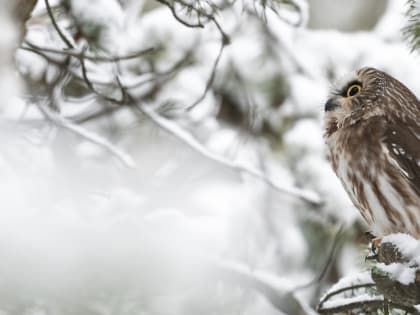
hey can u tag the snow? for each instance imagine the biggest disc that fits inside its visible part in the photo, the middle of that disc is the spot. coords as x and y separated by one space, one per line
307 135
332 299
362 298
9 84
106 16
308 96
408 246
110 11
399 272
78 225
345 282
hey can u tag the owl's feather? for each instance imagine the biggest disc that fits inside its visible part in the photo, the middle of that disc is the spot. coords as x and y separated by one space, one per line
404 148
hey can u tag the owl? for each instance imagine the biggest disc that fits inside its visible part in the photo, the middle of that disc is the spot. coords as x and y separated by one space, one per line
372 133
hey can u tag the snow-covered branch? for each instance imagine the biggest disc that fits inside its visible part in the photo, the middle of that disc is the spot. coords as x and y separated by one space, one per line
181 134
87 135
269 285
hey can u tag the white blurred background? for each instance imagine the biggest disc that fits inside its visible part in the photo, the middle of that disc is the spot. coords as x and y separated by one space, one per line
105 209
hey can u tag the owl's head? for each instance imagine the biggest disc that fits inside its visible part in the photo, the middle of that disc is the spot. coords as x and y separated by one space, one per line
355 97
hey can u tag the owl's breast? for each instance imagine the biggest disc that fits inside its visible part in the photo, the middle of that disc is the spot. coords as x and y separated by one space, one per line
376 189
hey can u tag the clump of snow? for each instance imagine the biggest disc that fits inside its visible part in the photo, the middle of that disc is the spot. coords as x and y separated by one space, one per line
399 272
345 282
350 300
407 245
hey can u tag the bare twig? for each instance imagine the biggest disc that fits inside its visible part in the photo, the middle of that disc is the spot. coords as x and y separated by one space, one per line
327 263
210 79
187 138
295 6
88 135
78 54
57 28
90 86
165 73
154 76
200 13
177 17
96 114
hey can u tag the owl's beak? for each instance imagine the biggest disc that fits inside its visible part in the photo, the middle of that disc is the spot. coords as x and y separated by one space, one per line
330 105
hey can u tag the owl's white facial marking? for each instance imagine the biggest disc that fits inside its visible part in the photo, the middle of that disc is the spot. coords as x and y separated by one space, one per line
351 99
341 83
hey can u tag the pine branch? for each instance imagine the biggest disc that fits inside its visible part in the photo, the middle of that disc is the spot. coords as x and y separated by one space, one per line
411 31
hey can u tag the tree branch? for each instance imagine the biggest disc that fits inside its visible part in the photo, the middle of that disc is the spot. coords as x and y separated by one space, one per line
78 54
88 135
57 28
173 129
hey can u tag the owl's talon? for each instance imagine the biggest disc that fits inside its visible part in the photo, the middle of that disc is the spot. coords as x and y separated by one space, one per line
375 244
372 256
370 236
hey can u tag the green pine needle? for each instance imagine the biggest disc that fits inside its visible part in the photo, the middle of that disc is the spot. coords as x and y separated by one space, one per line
411 31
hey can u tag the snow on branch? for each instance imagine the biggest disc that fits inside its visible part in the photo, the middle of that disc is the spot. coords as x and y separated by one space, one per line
88 135
392 283
105 87
271 286
175 130
79 54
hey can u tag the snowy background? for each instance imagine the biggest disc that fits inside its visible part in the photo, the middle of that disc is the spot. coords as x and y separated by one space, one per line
212 195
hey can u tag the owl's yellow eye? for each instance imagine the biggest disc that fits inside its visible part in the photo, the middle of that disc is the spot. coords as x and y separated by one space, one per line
353 89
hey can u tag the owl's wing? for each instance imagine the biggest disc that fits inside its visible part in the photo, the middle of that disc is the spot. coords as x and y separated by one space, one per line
403 143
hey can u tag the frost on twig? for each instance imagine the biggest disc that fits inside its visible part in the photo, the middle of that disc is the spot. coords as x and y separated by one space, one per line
88 135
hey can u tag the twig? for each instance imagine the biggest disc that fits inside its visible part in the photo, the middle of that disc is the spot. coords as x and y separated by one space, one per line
210 79
342 290
225 37
89 84
372 304
78 55
57 28
88 135
327 264
173 69
296 7
187 138
176 16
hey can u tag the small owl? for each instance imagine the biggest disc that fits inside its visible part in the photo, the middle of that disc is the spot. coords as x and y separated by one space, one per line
372 131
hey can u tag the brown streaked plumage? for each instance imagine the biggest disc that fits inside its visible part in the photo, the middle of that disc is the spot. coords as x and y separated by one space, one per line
372 130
